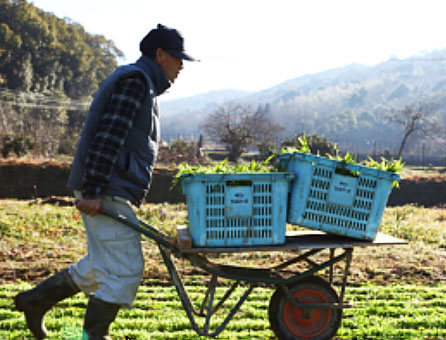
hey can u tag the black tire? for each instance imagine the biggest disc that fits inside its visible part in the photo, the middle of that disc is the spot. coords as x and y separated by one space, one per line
292 323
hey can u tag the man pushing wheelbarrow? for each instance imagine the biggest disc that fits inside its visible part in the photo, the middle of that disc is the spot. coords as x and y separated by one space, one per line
112 170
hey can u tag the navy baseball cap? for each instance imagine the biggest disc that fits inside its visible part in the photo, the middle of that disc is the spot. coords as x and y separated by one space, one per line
169 39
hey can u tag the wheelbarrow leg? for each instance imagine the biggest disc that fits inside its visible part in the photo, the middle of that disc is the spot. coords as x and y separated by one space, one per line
212 287
348 261
182 293
185 300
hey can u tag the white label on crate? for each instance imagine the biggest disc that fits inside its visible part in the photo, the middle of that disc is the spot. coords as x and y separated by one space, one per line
342 190
238 201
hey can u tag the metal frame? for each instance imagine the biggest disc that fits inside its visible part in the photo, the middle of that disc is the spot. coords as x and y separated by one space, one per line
279 276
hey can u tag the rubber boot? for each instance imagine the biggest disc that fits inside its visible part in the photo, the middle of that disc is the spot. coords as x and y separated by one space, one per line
37 301
99 316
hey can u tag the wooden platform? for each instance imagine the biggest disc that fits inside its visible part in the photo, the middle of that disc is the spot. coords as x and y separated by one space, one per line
305 240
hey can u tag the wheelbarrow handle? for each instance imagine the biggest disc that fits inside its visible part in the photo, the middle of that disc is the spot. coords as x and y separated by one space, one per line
144 228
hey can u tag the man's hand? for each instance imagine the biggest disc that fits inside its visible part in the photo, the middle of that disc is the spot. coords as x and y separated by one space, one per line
89 206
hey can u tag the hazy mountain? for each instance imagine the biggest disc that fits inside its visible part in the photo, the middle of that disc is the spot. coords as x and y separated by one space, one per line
346 104
200 102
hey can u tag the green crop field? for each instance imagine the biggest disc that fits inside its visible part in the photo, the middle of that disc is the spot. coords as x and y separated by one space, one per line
393 312
397 292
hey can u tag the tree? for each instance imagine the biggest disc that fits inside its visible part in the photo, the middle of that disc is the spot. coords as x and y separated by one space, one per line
49 68
238 126
42 53
414 120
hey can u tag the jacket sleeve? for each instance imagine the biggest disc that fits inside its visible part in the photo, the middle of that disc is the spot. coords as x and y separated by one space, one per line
112 131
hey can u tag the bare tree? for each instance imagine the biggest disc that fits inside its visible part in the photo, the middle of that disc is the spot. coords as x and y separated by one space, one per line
238 126
4 121
415 120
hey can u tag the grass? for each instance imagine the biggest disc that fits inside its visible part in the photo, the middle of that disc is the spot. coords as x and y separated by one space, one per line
423 171
398 292
39 239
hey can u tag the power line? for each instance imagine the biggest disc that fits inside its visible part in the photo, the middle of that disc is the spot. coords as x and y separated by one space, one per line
46 106
39 100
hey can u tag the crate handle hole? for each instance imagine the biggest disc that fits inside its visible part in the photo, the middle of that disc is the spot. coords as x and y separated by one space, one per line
239 183
345 172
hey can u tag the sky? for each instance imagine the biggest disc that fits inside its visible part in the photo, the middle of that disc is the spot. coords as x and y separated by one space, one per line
256 44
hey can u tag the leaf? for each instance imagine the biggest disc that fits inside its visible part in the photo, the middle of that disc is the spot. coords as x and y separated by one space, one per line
185 169
304 147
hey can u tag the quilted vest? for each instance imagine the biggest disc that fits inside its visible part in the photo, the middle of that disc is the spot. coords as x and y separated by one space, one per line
132 173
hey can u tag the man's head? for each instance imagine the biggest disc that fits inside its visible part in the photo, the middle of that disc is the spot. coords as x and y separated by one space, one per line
165 46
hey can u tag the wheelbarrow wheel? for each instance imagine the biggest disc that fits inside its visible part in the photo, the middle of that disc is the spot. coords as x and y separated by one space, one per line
290 323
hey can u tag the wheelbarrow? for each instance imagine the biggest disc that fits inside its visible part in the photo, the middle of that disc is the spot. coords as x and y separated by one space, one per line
302 306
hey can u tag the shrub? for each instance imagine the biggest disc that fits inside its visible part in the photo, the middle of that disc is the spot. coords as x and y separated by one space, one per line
20 145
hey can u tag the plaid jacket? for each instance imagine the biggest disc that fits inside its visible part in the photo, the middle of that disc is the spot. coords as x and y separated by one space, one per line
125 102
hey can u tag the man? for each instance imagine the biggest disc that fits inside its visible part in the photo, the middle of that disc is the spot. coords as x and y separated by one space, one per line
112 170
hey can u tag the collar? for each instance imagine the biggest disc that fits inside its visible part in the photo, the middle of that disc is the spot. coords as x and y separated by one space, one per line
155 72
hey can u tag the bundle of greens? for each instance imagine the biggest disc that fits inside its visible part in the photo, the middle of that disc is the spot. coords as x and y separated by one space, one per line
185 169
392 165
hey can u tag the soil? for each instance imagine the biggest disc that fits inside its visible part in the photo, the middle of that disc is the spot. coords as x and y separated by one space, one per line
30 180
386 265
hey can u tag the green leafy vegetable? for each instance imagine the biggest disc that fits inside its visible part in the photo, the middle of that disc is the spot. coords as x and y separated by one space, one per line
347 159
391 165
394 165
185 169
304 147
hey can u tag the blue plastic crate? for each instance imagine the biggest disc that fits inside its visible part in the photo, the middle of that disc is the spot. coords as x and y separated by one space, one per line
237 209
324 197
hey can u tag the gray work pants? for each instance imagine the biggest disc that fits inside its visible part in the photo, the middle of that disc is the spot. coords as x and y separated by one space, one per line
113 267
